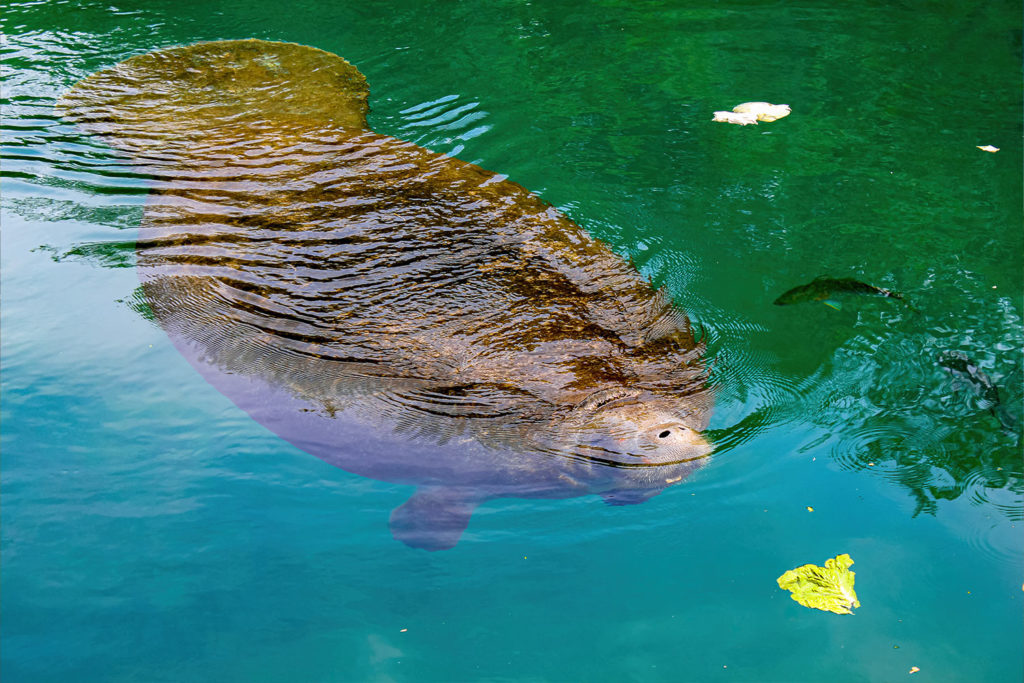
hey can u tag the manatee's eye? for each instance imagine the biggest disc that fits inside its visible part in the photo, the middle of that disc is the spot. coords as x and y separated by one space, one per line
664 434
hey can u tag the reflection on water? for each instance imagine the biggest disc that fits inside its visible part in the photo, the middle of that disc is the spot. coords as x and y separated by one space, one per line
449 122
916 425
887 402
391 290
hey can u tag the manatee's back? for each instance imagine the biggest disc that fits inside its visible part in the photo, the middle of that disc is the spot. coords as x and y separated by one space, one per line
223 129
157 104
285 239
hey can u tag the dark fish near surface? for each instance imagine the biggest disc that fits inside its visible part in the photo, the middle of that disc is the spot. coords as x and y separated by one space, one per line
398 313
828 289
963 367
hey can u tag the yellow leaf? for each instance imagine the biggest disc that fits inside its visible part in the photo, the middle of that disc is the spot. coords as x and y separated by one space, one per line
828 588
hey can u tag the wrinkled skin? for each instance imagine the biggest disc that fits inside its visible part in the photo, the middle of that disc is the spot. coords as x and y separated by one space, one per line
398 313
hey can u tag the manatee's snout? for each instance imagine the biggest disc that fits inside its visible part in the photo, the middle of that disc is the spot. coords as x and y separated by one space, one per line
673 441
658 440
666 443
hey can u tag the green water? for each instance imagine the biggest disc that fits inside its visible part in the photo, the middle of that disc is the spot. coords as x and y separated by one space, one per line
152 531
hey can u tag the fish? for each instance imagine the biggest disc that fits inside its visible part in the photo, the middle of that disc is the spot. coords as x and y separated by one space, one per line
401 314
962 367
827 290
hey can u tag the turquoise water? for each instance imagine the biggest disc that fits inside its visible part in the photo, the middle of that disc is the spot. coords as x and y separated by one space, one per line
152 531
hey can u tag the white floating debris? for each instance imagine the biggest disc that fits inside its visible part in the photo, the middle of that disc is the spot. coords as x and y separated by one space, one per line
752 112
733 117
764 111
987 148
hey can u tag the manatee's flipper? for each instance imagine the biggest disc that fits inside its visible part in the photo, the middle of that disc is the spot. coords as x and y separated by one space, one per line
160 103
433 518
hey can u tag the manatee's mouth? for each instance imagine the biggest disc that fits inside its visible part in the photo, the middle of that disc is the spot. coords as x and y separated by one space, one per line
689 462
669 471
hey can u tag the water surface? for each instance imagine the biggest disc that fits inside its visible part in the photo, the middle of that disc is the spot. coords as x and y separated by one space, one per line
152 531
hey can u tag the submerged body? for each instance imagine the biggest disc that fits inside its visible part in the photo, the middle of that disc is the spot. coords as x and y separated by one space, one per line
401 314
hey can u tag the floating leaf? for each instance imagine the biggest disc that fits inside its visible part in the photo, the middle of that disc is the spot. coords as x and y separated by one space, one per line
828 588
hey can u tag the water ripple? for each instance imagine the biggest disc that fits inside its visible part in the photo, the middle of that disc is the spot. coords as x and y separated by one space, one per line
444 124
889 407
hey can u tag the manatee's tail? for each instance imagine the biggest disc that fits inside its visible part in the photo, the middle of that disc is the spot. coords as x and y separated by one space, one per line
159 102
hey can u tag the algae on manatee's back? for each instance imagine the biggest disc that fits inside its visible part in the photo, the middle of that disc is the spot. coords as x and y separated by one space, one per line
399 313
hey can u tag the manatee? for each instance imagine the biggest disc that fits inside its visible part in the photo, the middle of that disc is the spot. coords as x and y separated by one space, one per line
401 314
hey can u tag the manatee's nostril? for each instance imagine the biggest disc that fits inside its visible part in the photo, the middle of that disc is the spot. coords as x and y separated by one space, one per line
664 434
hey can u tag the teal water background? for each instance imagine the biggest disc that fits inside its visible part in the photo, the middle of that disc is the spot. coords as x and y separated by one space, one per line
151 531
